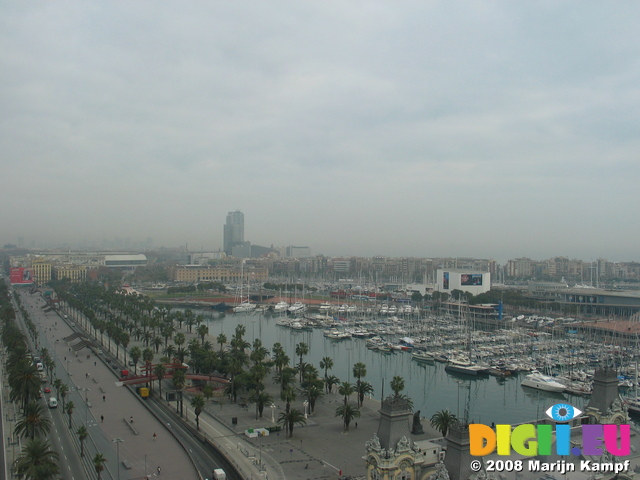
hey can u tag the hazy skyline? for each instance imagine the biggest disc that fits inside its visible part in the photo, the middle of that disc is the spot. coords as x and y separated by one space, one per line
427 129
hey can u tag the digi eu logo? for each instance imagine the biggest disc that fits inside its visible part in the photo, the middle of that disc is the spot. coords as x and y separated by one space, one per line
532 440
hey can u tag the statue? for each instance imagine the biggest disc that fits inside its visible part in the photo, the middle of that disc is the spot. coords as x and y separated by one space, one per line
416 428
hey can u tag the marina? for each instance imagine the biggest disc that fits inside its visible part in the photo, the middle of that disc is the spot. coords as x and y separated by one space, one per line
430 353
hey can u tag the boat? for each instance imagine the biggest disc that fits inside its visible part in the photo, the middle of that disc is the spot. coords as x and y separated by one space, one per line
464 366
540 381
297 307
245 306
422 357
281 306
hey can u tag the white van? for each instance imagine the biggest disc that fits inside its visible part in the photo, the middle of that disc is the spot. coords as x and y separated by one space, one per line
219 474
53 402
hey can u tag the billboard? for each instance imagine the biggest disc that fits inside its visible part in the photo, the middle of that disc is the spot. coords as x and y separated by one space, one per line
20 276
467 279
445 281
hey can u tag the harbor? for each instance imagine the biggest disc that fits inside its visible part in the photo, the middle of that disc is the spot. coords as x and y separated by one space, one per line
422 349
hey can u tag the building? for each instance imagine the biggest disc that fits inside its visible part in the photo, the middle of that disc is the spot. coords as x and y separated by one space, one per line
223 274
392 454
473 282
233 231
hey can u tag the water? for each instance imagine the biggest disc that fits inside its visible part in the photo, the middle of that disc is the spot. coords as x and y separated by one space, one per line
484 399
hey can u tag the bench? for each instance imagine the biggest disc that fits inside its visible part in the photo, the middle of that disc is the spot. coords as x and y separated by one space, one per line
126 464
133 429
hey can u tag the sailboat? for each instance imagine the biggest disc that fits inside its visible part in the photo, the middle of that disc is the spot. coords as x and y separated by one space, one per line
244 305
463 364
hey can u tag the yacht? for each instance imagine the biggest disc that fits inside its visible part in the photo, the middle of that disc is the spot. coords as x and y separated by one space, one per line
281 306
464 366
297 307
244 307
542 382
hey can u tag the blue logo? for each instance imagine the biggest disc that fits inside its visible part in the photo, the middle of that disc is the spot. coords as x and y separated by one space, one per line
563 412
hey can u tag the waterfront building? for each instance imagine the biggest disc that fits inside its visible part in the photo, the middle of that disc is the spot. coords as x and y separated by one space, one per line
223 273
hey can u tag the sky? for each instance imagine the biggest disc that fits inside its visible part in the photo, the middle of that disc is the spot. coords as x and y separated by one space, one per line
488 129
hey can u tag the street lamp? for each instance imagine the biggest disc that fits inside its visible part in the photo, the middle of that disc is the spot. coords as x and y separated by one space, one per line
117 441
305 404
273 418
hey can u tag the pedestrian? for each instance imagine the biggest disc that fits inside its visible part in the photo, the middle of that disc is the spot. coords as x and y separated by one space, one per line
154 435
102 418
86 375
131 419
104 398
95 364
158 469
356 424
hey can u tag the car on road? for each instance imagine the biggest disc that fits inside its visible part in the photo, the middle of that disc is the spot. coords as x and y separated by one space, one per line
47 390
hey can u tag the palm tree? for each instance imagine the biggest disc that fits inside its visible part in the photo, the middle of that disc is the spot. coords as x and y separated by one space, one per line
221 339
98 463
443 421
330 381
261 398
291 418
301 350
348 413
327 364
359 371
135 353
82 433
37 461
202 330
64 389
34 422
345 389
69 411
160 371
397 385
363 389
198 402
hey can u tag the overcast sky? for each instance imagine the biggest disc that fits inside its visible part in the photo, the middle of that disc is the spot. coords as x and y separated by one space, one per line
435 128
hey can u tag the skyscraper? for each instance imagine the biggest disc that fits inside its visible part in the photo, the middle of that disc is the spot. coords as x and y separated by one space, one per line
233 231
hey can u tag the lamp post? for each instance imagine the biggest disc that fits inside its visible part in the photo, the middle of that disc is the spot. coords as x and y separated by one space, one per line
273 407
117 441
305 404
86 402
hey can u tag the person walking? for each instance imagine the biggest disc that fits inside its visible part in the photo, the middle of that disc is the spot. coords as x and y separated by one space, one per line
158 469
131 419
154 436
104 398
102 418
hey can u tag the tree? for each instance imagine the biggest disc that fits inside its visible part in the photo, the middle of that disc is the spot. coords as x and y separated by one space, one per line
348 413
289 419
160 371
261 399
331 381
221 339
82 433
37 461
397 385
135 353
69 411
301 350
34 422
363 389
443 421
202 330
345 389
326 364
98 463
359 371
198 403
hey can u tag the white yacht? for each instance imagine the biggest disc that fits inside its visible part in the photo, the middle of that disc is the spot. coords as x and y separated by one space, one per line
542 382
281 306
246 306
297 307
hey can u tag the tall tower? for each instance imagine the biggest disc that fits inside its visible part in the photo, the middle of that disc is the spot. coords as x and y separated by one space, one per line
233 231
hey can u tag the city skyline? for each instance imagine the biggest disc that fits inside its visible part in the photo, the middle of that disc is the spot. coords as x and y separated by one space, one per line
404 130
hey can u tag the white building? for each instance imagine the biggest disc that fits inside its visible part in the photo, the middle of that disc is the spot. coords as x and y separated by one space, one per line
469 281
